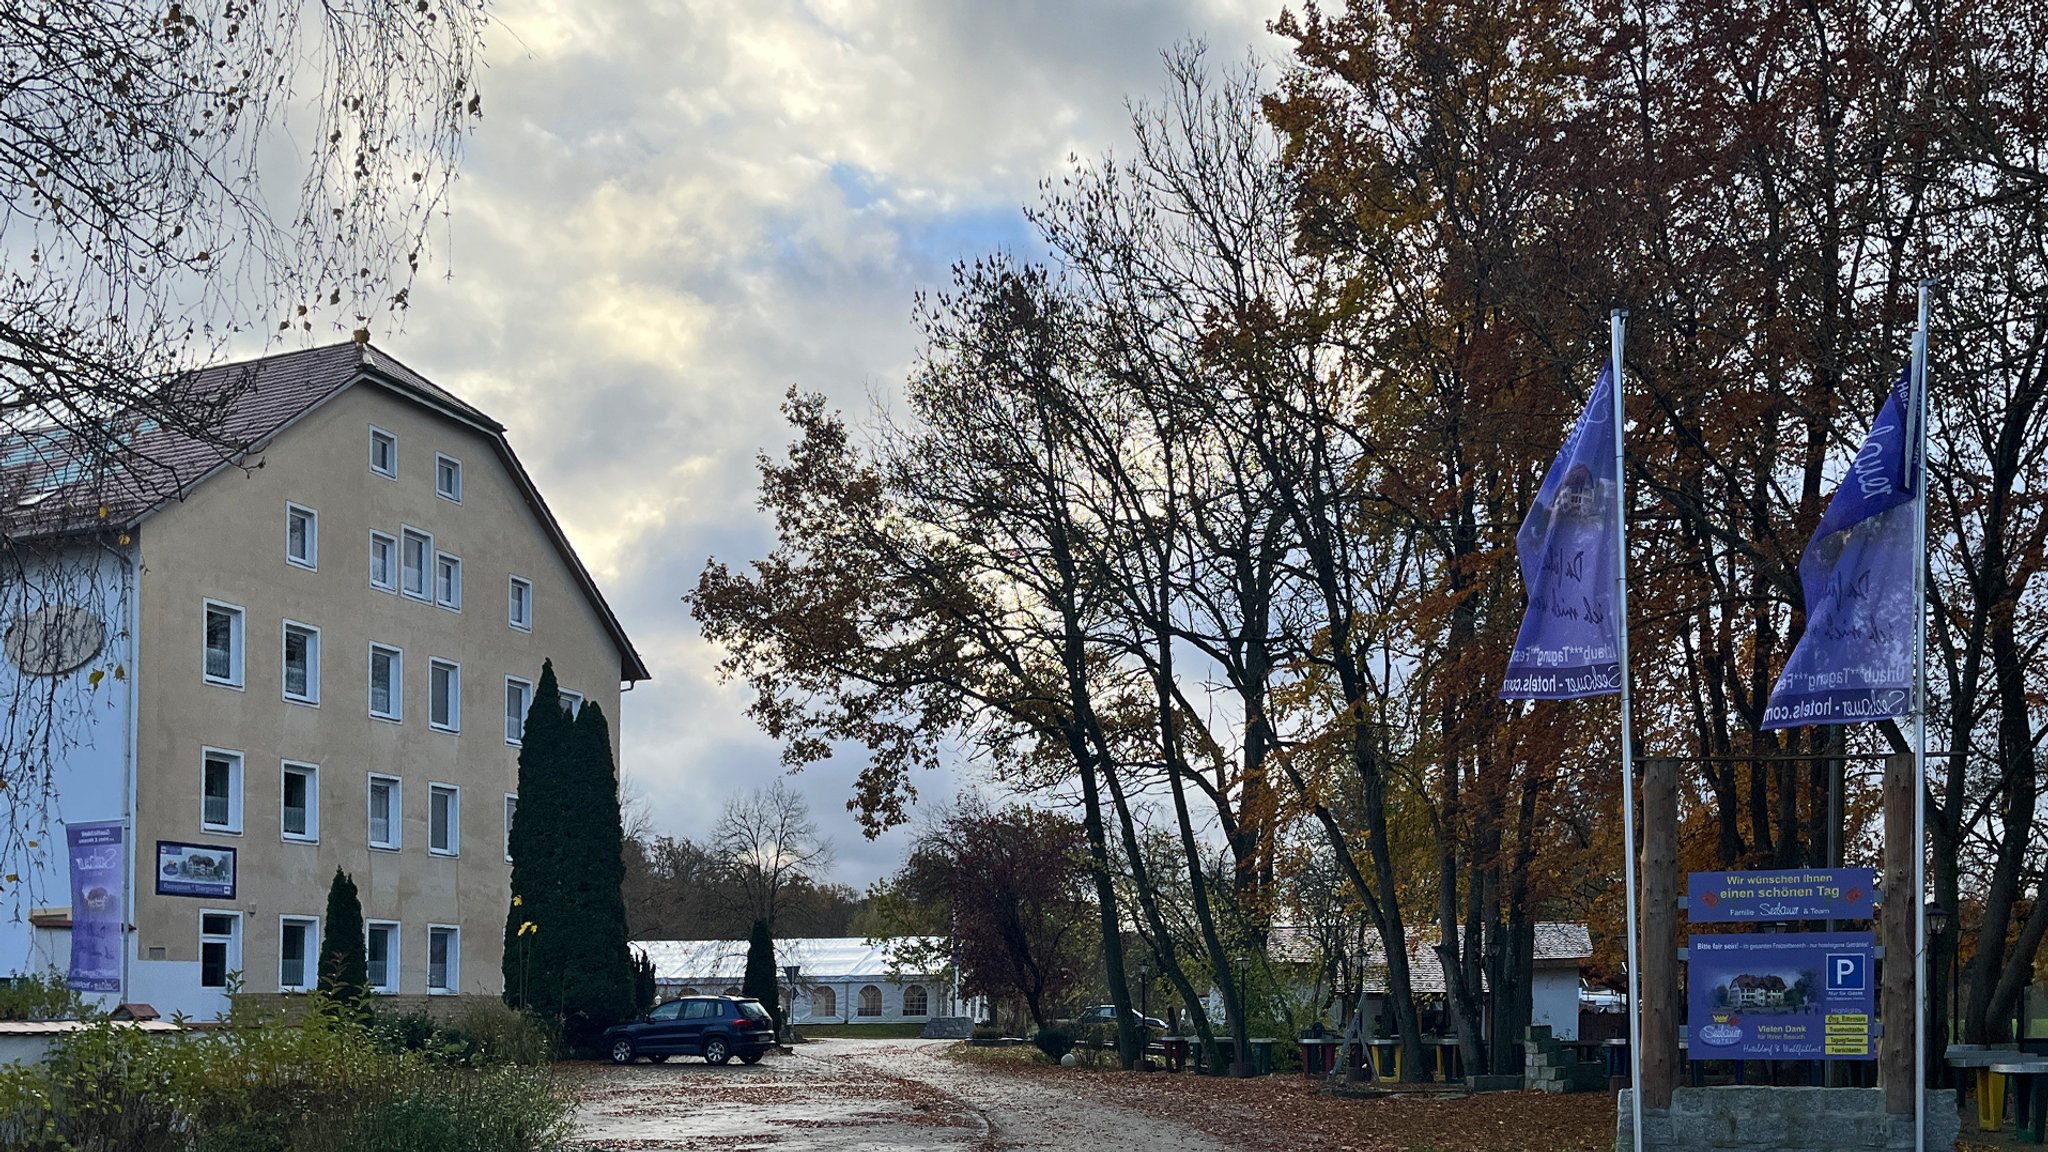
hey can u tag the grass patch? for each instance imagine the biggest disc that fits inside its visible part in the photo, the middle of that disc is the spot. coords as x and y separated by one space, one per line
893 1030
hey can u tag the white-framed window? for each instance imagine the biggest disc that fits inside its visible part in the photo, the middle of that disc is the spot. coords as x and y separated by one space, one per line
220 790
223 644
298 802
444 695
448 581
444 820
380 947
447 477
444 959
298 942
869 1002
415 558
383 561
301 663
301 536
383 452
824 1001
571 701
387 682
915 1001
511 810
519 603
220 947
386 812
518 698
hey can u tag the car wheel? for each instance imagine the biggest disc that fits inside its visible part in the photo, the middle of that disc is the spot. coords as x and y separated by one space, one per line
622 1051
751 1058
716 1051
663 1059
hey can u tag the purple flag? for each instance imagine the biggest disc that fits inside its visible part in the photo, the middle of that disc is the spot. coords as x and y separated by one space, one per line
1570 642
1854 662
98 905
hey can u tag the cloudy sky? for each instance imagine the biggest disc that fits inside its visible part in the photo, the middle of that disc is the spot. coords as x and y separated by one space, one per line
675 210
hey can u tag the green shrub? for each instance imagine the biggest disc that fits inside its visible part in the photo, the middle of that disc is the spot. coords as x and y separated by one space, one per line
482 1034
1054 1043
262 1084
987 1032
40 997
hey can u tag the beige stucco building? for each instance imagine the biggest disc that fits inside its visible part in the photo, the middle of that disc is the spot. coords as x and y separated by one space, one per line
327 649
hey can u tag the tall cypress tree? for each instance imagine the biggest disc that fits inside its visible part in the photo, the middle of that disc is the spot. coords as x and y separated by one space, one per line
344 960
597 989
760 980
533 928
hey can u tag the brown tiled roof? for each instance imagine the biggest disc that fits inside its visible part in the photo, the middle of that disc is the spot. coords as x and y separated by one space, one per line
50 490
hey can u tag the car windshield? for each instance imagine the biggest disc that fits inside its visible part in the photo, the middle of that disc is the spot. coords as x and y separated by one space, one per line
752 1010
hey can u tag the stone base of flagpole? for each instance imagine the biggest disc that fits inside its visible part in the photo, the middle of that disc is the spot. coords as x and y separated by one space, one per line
1756 1118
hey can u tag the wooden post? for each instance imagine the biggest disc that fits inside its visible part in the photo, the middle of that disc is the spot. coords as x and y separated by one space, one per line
1895 936
1659 946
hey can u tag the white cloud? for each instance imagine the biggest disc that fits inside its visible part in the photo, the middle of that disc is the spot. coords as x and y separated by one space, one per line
674 211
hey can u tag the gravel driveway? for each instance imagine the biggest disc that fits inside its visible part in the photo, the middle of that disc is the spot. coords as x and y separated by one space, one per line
848 1095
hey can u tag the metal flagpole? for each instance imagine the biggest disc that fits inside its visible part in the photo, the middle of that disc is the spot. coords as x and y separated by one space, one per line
1916 447
1617 326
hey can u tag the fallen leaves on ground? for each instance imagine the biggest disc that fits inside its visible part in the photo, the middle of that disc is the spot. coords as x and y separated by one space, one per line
1284 1112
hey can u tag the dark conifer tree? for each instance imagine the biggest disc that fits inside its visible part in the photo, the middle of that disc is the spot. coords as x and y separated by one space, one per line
344 962
760 979
644 990
531 964
597 965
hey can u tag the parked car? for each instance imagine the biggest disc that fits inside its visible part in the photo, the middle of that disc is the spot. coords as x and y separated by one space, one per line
1105 1016
717 1028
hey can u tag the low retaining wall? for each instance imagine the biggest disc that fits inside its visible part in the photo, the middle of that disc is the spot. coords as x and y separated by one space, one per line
1757 1118
949 1028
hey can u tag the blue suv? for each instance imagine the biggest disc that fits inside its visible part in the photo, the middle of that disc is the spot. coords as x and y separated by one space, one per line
717 1028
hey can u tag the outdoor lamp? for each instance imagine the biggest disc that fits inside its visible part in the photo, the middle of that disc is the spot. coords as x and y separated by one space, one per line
1937 917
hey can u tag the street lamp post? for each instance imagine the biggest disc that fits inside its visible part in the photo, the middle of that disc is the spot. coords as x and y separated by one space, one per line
789 1005
1145 989
1937 929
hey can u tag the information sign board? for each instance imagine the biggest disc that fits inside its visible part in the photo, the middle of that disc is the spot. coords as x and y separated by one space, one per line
1800 894
1785 996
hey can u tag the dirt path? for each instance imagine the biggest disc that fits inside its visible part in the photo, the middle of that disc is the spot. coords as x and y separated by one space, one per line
857 1096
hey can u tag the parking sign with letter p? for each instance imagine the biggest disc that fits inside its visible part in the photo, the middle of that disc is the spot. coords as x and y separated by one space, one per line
1847 971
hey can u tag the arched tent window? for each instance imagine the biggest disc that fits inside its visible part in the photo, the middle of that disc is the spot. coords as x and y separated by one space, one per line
732 992
824 1002
914 1001
688 991
870 1001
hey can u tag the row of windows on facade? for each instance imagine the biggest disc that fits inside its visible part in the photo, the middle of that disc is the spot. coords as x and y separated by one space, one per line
384 462
407 564
300 661
867 1002
298 806
298 942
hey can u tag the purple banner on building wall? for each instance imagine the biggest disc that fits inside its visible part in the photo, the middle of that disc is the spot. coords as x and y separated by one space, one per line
1798 894
99 905
1570 641
1784 996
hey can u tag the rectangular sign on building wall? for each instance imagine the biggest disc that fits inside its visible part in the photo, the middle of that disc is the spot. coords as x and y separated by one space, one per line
99 905
1798 894
195 870
1785 996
